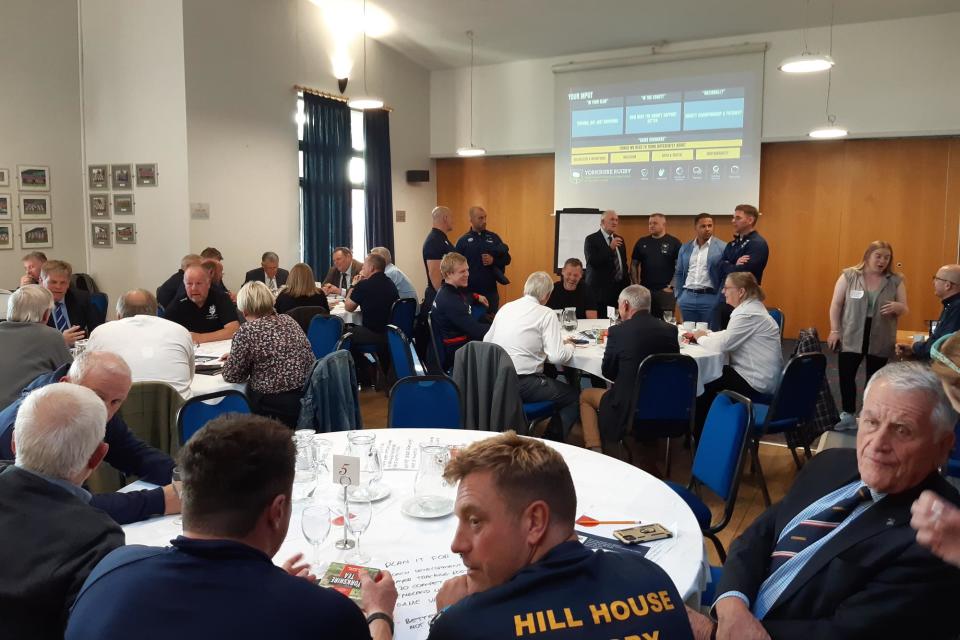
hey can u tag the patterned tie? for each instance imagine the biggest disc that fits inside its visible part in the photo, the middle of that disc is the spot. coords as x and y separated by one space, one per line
809 531
60 318
271 284
619 272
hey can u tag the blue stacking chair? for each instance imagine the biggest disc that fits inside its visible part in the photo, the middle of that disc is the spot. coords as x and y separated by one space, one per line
400 355
665 398
534 411
303 315
200 410
426 402
718 462
324 334
100 301
793 404
777 314
403 315
435 351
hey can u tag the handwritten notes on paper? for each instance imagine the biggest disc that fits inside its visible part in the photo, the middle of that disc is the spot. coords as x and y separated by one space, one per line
402 455
418 580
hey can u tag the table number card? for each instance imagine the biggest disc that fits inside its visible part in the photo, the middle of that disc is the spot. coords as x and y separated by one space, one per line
346 470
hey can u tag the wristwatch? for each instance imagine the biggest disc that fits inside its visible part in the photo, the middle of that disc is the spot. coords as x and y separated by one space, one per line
380 615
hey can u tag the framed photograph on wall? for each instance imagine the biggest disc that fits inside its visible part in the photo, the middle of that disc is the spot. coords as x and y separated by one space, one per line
146 175
99 205
120 176
122 204
33 177
6 206
36 235
35 206
100 233
4 177
97 177
126 233
6 236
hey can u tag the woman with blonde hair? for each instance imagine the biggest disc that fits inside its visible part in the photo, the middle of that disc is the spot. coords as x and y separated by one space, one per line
867 301
300 291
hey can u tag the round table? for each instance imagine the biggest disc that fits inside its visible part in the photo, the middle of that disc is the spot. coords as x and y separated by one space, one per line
589 357
607 489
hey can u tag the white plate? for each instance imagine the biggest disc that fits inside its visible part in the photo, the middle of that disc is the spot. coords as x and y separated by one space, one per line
378 491
412 508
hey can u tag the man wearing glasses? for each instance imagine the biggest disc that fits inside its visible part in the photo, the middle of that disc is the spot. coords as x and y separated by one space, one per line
946 286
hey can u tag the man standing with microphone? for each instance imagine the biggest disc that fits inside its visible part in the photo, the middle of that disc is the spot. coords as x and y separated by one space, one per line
607 267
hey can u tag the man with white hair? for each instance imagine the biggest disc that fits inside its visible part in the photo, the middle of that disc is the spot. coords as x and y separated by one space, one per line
107 375
836 558
156 349
399 278
530 334
52 537
28 345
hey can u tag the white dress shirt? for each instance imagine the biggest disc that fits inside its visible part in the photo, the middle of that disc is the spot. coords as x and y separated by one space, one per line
698 272
157 350
752 342
530 333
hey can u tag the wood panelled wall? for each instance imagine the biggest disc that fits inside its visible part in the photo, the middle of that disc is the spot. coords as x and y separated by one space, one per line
821 204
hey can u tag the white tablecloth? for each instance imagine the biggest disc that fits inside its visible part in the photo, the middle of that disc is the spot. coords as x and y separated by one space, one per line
203 383
606 489
339 310
589 357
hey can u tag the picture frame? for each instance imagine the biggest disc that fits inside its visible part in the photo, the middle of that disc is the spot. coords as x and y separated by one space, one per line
101 235
6 207
147 175
120 176
126 232
4 177
123 204
36 235
6 235
33 177
35 206
100 206
98 177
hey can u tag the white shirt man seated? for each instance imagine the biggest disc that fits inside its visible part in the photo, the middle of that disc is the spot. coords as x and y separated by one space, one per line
156 349
530 334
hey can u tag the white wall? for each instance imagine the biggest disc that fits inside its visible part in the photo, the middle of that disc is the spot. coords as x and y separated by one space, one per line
892 78
40 119
134 112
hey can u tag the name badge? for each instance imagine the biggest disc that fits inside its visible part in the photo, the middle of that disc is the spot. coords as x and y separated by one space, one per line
856 294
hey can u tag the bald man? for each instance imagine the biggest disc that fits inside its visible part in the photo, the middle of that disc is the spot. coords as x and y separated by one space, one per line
435 247
946 286
206 312
487 256
608 271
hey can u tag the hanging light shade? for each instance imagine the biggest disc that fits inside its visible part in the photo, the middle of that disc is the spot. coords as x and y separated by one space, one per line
472 150
829 131
806 62
365 101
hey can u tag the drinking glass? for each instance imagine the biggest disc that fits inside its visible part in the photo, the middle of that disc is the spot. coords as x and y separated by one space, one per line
176 481
668 316
305 473
361 510
321 454
434 495
363 445
569 319
315 524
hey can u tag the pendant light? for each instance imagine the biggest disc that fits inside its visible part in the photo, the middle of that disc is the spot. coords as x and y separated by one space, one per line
808 62
472 150
365 101
831 130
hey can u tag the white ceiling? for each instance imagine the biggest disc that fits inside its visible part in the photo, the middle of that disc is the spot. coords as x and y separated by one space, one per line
433 32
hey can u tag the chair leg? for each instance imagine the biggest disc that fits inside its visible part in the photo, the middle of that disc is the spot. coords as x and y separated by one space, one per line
796 458
806 451
759 471
622 443
718 545
667 462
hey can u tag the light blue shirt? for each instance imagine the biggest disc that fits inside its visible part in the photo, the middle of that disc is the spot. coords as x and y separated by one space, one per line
399 278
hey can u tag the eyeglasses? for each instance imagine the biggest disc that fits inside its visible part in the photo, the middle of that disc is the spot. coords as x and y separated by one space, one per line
935 353
936 277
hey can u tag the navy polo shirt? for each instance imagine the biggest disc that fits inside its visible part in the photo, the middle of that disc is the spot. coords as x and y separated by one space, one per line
214 314
434 248
207 589
472 245
375 295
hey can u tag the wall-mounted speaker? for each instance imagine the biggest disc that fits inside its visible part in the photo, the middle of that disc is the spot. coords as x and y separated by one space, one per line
418 175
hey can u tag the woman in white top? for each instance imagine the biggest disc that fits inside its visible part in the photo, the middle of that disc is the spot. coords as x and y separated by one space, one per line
751 342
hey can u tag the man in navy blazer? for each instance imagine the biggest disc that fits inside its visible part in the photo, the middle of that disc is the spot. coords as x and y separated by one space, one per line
697 280
748 251
73 314
608 272
268 272
837 558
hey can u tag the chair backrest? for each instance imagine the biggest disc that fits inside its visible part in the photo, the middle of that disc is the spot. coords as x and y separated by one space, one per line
100 301
303 315
436 350
400 357
324 333
199 410
796 395
150 410
722 448
425 401
403 314
777 314
666 393
491 394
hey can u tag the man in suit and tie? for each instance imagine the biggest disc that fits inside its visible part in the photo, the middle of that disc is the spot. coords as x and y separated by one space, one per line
340 276
628 343
836 558
608 271
697 280
73 314
269 272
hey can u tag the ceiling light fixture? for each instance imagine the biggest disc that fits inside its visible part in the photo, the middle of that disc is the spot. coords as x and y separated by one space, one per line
831 130
472 150
366 101
808 62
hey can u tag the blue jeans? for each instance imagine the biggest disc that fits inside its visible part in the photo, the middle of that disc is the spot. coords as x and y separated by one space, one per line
697 307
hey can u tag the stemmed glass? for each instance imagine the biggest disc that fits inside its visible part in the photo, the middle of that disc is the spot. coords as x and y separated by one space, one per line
176 481
315 524
668 316
361 509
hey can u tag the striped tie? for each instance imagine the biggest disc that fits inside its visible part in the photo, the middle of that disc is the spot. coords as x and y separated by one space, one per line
817 526
60 318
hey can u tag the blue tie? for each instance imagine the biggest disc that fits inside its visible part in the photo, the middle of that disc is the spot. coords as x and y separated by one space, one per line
60 317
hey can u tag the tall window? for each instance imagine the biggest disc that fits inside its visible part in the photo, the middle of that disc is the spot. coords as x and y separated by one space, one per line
357 173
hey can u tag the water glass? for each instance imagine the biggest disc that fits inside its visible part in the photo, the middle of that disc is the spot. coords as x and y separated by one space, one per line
315 524
569 319
304 473
361 510
176 481
668 317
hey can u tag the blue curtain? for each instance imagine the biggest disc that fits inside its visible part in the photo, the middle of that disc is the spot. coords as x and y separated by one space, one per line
326 185
379 180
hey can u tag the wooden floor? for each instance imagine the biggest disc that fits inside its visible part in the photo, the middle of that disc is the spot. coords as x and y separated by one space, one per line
778 468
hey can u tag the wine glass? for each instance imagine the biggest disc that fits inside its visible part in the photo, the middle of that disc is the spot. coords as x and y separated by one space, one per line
361 509
315 524
176 481
668 316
